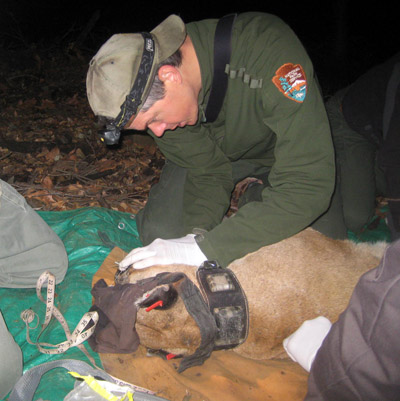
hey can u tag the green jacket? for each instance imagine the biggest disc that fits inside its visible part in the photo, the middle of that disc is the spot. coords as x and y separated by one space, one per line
260 123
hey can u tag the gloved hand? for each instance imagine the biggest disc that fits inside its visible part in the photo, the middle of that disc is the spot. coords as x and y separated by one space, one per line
304 343
164 252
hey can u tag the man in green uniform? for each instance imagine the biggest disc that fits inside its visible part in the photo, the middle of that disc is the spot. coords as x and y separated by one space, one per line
272 126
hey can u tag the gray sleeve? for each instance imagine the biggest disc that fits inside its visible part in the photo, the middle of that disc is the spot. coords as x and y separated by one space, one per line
359 359
28 246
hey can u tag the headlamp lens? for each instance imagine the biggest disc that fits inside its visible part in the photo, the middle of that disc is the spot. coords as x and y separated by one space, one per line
110 135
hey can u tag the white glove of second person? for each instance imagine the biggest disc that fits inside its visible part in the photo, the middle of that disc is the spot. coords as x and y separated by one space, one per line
164 252
302 345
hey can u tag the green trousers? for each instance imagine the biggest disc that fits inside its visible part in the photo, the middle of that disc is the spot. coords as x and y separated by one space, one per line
359 178
162 216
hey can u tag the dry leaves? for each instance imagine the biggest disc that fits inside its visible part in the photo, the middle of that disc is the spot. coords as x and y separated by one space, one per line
49 147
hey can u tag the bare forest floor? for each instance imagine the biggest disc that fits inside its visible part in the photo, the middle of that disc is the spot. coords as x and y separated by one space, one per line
49 147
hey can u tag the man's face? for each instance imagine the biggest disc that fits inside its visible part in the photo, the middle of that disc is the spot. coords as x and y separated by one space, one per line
177 109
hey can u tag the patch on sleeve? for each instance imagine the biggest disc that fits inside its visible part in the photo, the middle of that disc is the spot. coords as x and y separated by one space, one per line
291 81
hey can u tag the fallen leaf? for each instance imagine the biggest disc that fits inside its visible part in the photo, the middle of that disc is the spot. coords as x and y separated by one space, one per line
47 182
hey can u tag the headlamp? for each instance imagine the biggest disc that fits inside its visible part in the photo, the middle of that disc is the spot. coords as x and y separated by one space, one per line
110 135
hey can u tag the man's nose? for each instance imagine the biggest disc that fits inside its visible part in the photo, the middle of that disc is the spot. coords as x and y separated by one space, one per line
158 128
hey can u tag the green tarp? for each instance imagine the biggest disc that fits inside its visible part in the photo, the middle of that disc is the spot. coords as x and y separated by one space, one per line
89 235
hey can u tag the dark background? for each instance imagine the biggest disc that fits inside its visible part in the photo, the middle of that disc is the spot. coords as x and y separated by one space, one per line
344 38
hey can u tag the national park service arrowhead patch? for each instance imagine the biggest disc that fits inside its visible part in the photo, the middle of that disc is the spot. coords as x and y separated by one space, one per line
291 81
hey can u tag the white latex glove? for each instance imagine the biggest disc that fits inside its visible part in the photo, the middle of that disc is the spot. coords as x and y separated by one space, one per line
164 252
304 343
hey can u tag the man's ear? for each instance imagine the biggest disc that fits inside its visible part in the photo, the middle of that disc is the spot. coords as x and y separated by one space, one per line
169 73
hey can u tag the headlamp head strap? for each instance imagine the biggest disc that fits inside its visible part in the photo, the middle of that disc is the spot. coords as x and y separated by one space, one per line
134 99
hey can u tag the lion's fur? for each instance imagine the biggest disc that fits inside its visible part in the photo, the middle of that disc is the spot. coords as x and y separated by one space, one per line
296 279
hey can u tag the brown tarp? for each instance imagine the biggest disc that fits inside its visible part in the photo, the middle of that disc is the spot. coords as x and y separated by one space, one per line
224 376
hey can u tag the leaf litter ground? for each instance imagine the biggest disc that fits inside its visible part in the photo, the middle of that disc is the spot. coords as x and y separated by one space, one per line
49 147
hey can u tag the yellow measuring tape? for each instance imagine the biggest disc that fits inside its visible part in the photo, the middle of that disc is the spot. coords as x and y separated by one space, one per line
74 339
96 386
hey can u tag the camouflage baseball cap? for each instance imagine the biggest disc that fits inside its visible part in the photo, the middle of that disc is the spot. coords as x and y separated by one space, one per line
121 73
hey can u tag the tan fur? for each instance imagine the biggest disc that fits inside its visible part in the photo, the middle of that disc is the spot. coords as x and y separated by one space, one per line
286 283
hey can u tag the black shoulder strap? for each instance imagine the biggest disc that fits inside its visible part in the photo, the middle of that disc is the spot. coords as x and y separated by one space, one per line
222 54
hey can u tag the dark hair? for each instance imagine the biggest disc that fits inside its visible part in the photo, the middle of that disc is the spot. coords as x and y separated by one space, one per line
157 91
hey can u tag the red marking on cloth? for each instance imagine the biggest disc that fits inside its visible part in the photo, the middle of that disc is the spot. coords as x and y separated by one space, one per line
158 303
